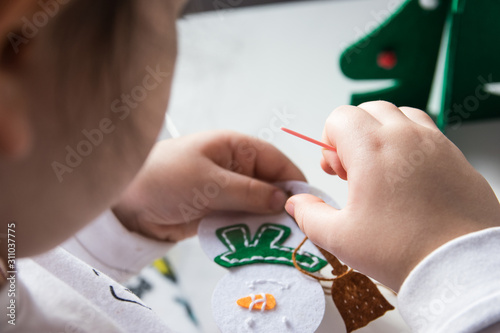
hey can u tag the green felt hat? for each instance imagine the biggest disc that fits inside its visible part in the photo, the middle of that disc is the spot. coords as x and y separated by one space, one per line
265 247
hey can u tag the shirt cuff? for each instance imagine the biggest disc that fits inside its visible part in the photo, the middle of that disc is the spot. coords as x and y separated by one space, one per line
457 287
108 246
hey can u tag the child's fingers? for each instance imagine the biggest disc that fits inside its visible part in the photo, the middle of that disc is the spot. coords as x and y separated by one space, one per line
346 124
418 116
331 164
242 193
262 160
316 219
384 112
344 129
326 167
328 164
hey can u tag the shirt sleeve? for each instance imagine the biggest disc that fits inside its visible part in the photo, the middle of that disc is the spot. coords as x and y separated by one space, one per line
111 248
457 287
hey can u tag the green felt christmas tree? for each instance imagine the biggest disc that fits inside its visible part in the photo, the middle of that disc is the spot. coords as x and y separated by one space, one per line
406 46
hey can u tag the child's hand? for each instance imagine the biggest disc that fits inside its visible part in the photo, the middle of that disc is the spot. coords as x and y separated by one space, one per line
186 178
410 191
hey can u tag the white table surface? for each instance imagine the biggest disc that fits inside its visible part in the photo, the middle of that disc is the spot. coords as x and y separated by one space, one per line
238 68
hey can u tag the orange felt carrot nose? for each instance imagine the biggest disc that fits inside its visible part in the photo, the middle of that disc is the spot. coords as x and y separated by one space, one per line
260 302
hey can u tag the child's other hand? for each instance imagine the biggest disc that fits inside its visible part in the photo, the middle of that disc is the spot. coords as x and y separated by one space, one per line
186 178
410 191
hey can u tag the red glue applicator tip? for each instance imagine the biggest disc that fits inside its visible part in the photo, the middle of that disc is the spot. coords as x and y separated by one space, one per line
304 137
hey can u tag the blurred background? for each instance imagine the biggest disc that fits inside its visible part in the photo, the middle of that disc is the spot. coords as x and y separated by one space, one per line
254 68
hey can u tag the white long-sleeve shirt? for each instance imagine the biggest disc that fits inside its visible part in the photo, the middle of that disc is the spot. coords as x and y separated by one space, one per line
73 288
454 289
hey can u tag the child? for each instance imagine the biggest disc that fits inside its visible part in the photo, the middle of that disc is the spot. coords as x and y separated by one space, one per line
83 89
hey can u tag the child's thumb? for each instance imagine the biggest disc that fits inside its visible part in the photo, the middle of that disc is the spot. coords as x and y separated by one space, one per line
314 217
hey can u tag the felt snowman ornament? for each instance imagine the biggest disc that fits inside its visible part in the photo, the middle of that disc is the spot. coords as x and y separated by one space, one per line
263 291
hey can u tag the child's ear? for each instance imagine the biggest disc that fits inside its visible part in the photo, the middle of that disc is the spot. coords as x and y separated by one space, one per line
15 131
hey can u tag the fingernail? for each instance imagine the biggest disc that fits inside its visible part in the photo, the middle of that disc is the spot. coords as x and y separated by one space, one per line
290 208
278 200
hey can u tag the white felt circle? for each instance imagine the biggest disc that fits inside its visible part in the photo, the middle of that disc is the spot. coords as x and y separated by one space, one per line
300 301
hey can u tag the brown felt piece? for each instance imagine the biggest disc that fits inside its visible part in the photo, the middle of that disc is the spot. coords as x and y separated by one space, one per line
355 295
358 300
337 267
